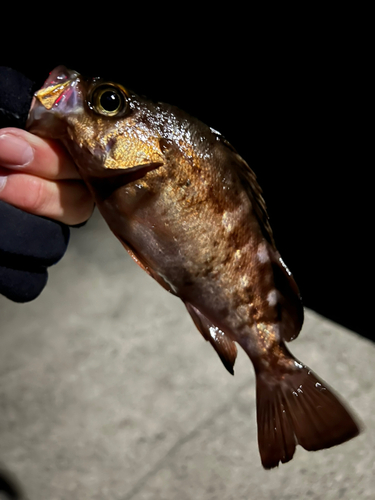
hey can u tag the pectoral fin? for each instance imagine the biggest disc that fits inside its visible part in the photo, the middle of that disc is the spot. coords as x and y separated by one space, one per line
220 341
144 265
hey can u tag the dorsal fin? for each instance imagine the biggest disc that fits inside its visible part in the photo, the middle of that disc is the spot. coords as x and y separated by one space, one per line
252 188
290 303
220 341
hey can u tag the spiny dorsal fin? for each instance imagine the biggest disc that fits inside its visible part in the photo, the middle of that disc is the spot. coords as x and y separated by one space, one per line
252 188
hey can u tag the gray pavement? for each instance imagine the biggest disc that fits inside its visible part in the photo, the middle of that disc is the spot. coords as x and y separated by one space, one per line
107 391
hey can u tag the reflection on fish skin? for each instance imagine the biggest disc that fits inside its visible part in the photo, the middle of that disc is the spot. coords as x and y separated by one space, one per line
190 212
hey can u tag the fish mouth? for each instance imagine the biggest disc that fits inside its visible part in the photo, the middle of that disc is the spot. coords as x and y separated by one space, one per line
60 95
60 75
51 95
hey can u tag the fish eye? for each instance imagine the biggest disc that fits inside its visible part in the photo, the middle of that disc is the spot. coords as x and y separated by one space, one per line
109 100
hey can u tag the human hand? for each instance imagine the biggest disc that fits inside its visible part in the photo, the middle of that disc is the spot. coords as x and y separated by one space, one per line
39 177
47 185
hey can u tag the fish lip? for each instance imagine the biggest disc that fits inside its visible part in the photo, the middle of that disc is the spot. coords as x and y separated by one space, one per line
49 96
59 75
62 87
60 95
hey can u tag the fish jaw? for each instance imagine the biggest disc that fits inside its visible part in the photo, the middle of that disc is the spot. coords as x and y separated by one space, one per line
61 96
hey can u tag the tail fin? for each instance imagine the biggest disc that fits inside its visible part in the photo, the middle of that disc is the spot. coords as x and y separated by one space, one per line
298 408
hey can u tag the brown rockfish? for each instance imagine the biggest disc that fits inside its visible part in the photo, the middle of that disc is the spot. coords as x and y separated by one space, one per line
189 211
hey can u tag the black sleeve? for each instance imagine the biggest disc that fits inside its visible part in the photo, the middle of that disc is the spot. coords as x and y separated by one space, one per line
16 92
28 244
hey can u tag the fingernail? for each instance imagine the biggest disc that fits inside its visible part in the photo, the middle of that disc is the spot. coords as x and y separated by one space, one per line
3 181
14 151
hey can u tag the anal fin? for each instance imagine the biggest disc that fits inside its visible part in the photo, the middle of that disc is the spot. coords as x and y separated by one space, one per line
220 341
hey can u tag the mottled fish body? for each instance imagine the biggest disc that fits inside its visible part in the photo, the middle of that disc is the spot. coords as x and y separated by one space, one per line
189 211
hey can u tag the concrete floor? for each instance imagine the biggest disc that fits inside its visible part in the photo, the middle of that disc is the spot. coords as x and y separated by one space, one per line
107 391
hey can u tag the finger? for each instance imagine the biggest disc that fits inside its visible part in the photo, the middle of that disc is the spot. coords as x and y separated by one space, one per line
20 150
67 201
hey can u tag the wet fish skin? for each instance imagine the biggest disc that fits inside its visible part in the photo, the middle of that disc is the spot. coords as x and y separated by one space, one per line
189 211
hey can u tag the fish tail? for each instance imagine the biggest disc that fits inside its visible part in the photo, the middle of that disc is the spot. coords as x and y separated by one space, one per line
296 407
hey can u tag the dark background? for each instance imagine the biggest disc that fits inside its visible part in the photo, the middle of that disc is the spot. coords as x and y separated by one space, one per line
293 100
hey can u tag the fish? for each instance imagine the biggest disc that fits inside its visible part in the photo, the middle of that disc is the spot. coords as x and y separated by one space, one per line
190 212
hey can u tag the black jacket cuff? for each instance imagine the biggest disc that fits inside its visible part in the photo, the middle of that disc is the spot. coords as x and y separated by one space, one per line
15 97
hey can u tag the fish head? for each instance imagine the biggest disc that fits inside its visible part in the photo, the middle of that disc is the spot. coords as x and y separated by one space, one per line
100 122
